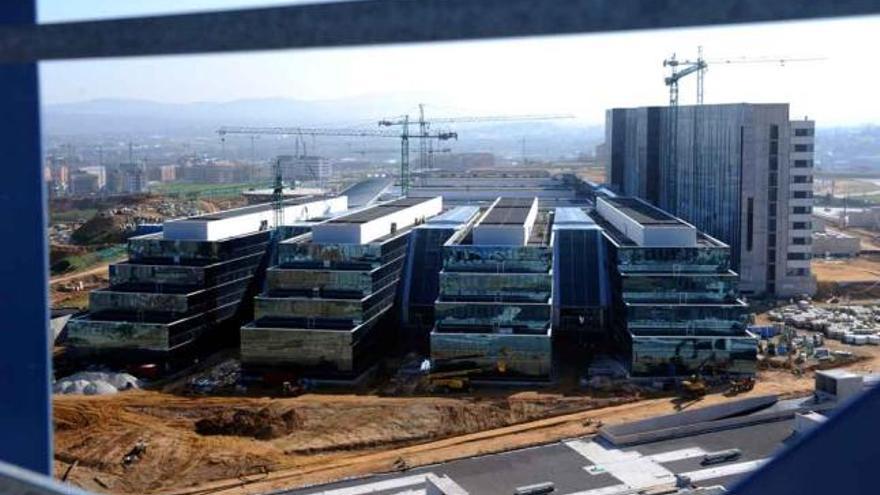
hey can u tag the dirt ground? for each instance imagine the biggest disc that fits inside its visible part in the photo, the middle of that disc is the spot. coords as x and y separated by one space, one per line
212 444
850 270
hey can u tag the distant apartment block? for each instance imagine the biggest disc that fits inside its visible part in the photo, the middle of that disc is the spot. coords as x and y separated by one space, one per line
313 170
98 171
742 173
83 183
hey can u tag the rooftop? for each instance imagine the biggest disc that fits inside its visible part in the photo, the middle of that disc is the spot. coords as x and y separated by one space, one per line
247 210
378 211
509 211
643 212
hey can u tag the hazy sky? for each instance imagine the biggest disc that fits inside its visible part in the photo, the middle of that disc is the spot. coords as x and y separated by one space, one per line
574 74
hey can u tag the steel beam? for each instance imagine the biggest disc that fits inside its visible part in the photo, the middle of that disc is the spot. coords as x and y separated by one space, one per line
391 21
25 369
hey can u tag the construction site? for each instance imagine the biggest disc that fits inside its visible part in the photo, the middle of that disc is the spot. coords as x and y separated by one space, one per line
322 334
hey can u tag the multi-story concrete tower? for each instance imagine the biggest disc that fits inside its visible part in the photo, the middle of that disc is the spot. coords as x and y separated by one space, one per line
741 172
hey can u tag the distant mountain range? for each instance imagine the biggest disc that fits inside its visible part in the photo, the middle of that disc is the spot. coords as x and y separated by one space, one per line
128 118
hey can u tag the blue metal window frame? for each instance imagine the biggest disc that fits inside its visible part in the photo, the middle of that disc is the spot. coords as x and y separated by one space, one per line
25 365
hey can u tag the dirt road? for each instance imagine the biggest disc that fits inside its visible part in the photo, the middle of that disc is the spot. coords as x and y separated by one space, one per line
95 270
204 445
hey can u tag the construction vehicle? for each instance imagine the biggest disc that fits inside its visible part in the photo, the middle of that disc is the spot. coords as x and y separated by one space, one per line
741 385
450 381
693 388
720 456
136 452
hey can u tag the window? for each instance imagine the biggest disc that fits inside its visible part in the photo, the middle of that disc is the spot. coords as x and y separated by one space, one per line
750 223
774 162
773 194
774 179
802 210
803 163
799 256
802 132
797 272
803 147
802 179
774 132
774 148
801 241
801 225
802 194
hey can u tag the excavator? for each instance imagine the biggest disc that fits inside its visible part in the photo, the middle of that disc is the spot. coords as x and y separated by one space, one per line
695 387
740 385
459 380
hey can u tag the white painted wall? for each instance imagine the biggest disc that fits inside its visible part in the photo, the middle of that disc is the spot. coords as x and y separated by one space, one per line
212 230
682 235
362 233
506 235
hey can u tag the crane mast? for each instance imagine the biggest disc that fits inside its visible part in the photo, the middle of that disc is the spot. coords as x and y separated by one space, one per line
680 69
404 137
425 125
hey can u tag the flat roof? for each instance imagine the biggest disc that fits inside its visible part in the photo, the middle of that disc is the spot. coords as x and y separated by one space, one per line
509 211
457 215
642 212
247 210
379 211
571 216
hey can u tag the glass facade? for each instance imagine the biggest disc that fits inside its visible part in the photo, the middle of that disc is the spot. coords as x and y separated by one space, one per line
676 311
677 288
322 289
494 310
677 356
580 278
170 293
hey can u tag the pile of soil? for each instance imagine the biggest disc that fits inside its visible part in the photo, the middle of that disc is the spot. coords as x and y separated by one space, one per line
103 228
262 424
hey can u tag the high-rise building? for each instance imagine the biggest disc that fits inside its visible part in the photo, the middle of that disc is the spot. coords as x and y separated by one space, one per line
306 169
742 173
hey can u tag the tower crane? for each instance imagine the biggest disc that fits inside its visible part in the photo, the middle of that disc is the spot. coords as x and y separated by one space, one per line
404 137
680 69
683 68
425 124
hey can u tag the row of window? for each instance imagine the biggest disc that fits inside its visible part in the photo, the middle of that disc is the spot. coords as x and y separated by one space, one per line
802 194
802 179
803 163
800 256
803 147
802 225
802 241
804 132
802 210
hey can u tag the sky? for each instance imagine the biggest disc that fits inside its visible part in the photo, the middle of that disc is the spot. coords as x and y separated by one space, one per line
582 75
